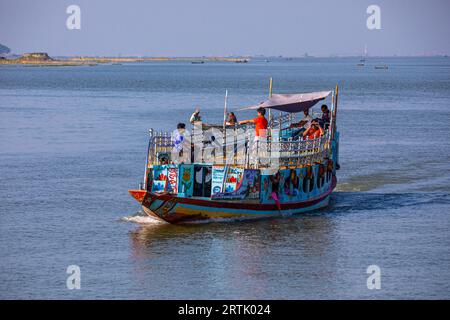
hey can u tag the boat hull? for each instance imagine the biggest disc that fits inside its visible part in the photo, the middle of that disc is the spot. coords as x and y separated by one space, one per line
174 209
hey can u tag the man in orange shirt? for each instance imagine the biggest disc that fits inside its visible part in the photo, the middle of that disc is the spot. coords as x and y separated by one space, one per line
260 134
260 123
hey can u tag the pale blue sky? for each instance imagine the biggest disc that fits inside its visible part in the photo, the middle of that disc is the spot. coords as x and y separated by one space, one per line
209 27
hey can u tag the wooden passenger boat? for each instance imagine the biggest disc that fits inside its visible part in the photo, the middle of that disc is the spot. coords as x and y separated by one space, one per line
235 179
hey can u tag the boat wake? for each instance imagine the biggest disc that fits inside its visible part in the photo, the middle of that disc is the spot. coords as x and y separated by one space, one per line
367 202
141 218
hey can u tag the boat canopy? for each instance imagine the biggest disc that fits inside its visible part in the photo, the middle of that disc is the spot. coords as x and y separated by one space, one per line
291 102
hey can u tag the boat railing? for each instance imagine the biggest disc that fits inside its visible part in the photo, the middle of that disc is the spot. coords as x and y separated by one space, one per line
242 149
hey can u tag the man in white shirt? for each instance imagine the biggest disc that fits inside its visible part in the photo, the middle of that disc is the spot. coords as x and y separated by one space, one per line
179 142
302 124
195 117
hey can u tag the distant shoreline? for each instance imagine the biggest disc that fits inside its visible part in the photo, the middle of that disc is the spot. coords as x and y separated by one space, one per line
42 58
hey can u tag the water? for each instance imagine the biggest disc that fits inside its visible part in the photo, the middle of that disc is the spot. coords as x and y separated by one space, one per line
73 142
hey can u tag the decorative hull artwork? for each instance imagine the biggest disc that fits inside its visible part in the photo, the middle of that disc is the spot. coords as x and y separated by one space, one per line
186 210
299 190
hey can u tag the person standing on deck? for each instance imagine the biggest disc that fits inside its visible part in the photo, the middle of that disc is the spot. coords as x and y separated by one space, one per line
178 140
261 124
325 120
195 117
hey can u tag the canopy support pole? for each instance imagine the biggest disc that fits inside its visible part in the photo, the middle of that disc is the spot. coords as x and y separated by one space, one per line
270 96
336 92
224 137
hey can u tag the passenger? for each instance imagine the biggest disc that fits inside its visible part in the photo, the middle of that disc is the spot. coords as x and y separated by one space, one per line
178 139
195 117
260 123
314 131
325 120
302 124
232 120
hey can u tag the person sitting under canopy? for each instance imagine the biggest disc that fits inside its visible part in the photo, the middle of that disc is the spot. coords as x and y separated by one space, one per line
325 120
314 131
302 124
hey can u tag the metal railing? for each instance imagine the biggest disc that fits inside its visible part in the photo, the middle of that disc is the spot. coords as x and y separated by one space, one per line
243 150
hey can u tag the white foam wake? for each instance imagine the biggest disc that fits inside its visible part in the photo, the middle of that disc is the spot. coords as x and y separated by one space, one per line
142 218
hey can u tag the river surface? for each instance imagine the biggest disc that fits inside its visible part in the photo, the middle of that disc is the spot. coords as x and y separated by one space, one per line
73 141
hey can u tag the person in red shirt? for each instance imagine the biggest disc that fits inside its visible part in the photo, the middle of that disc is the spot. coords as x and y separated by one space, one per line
258 144
260 123
314 131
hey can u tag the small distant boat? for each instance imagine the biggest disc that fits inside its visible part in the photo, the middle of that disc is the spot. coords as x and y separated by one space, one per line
362 61
197 62
241 61
382 67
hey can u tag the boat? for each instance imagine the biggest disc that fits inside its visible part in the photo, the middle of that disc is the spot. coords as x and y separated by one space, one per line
362 61
236 178
382 67
198 62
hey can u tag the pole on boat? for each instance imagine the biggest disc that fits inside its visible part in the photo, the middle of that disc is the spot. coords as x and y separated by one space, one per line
270 96
225 109
336 92
270 88
224 137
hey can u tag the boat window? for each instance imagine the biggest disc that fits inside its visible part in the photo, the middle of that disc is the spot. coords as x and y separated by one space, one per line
202 181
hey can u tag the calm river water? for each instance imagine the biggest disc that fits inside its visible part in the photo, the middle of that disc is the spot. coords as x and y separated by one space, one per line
73 141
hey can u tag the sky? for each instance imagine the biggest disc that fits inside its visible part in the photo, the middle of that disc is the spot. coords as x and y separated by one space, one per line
221 28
